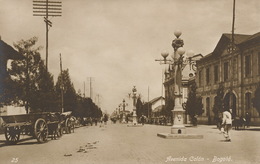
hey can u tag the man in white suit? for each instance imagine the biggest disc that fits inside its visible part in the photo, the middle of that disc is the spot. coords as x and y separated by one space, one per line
227 123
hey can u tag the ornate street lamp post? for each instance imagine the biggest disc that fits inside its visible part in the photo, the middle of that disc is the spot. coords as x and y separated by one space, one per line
124 116
178 112
179 62
134 92
134 97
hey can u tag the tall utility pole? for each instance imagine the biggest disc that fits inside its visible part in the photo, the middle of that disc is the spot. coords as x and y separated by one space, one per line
148 112
233 23
162 88
62 86
232 56
98 100
90 86
47 8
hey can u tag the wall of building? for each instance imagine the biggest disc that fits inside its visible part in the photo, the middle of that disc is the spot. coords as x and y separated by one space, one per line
240 82
10 110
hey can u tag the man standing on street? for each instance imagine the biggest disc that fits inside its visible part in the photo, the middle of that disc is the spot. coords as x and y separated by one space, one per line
227 122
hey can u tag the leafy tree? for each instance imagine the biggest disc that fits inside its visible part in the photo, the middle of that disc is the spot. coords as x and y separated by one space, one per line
167 110
218 102
194 106
255 100
139 107
44 97
79 111
147 108
86 108
7 90
33 84
98 112
69 93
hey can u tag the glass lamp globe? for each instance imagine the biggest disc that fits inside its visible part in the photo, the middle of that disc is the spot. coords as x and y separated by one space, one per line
177 33
190 53
180 51
175 56
164 54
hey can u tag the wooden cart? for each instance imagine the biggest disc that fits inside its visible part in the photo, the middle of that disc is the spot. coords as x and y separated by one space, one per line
68 122
39 125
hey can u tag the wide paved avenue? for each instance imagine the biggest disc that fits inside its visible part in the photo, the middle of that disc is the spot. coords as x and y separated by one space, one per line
119 144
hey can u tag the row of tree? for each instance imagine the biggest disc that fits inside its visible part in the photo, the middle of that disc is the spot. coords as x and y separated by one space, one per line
31 85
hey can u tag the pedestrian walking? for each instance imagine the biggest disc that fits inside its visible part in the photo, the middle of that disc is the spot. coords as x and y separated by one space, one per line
227 123
219 121
105 119
142 119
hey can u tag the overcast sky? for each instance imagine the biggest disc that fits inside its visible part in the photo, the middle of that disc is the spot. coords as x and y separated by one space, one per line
116 42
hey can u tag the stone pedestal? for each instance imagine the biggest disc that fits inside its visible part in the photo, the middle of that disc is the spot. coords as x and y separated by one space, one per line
178 130
123 120
134 118
134 123
178 116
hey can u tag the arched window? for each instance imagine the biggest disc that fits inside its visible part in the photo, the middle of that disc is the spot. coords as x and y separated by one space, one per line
248 66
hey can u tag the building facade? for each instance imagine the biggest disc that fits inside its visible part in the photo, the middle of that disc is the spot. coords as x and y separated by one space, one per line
157 105
236 67
6 53
156 102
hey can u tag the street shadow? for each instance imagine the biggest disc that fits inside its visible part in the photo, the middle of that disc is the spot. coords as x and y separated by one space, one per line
248 129
223 140
25 141
253 129
3 143
190 126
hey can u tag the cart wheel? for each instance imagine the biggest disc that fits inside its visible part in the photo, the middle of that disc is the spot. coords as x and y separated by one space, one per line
68 126
72 125
41 130
12 134
72 128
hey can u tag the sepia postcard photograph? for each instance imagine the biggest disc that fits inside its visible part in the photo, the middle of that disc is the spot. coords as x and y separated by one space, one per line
129 81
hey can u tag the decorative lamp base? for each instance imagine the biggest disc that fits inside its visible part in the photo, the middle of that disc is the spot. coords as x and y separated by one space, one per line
134 125
178 129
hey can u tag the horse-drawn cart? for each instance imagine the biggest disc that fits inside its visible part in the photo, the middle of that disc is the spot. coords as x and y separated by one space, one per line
39 125
68 122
